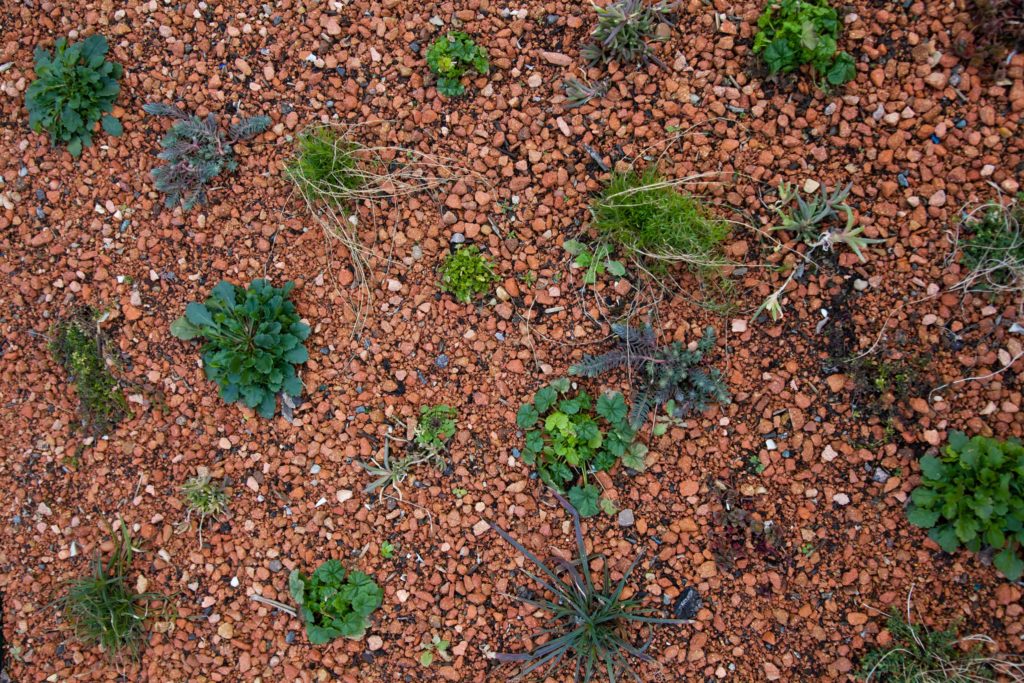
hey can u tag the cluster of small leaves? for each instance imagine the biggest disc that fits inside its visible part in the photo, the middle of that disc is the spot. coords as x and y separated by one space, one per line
994 248
918 654
437 647
565 442
104 609
466 273
813 221
253 340
436 425
578 93
589 621
75 87
451 57
595 262
333 604
204 496
792 33
325 166
973 496
78 346
391 473
196 152
660 374
625 30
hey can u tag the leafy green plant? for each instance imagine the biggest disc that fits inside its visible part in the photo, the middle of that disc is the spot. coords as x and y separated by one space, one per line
595 262
78 345
566 444
437 647
104 609
451 57
659 374
578 92
325 166
460 493
993 251
387 550
625 30
466 273
918 654
75 87
253 340
435 427
652 220
589 621
333 604
973 495
792 33
196 152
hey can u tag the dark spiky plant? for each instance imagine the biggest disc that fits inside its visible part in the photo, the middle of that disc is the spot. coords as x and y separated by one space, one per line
624 31
197 151
589 622
660 374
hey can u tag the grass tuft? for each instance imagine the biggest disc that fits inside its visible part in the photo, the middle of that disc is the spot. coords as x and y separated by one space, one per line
325 167
993 252
102 608
652 220
78 346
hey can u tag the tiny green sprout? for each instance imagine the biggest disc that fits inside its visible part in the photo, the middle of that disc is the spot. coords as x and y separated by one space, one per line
460 493
204 498
755 464
387 550
594 262
528 278
437 647
807 549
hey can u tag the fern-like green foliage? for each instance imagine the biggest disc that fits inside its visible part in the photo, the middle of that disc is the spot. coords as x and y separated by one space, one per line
75 87
660 373
196 151
253 342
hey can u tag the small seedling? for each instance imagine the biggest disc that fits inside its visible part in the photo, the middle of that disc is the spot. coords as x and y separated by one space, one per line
196 152
670 419
387 550
595 262
755 464
625 30
390 473
435 427
807 549
451 57
460 493
205 498
75 87
437 647
104 608
812 221
578 93
466 274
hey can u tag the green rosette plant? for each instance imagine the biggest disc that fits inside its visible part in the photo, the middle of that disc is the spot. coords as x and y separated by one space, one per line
566 444
75 87
973 496
253 340
333 604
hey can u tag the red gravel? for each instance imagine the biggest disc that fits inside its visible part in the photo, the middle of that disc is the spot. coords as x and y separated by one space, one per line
91 231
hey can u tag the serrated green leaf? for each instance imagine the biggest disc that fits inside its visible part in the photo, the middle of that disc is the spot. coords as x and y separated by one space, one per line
585 500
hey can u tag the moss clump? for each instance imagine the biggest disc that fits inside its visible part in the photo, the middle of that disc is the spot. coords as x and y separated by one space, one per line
78 346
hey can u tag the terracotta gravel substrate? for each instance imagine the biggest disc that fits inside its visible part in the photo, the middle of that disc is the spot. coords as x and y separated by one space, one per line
920 134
